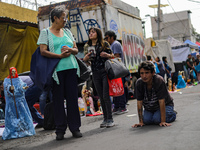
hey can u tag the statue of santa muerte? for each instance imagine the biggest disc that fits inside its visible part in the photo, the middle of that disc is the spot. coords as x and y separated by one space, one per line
18 119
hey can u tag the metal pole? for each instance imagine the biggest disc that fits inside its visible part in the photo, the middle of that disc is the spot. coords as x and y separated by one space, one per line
143 27
158 20
36 5
20 3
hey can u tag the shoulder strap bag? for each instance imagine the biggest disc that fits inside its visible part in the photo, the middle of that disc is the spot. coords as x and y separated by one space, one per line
84 70
42 69
115 68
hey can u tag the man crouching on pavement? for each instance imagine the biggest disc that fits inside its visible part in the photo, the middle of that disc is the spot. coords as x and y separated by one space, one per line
152 93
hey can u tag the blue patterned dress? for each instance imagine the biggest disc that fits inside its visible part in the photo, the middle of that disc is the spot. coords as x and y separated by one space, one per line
23 125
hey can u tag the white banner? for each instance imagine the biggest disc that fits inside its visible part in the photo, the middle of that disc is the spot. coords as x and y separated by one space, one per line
180 54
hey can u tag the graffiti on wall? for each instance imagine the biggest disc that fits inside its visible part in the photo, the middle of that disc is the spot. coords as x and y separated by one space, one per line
76 21
133 48
113 26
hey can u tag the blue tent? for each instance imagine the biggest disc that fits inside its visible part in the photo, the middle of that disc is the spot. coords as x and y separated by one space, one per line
192 45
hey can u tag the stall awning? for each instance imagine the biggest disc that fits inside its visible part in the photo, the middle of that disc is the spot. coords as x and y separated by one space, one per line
192 45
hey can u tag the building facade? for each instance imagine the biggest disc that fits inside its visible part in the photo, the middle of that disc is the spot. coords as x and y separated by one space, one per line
177 25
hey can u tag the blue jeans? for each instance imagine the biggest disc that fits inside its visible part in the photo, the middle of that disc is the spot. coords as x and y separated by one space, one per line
32 95
43 98
155 117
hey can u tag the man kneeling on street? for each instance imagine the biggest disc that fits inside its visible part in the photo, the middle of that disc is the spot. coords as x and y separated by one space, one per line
152 93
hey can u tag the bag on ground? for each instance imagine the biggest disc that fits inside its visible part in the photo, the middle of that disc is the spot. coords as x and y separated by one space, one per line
49 123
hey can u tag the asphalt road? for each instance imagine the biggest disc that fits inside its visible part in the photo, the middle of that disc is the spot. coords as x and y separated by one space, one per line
184 134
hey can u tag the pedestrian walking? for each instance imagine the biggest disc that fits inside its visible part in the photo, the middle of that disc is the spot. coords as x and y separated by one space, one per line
152 94
120 101
97 51
190 67
160 67
62 45
168 69
197 60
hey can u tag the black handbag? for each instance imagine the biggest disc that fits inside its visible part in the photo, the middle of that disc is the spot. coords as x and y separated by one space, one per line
42 69
115 68
84 71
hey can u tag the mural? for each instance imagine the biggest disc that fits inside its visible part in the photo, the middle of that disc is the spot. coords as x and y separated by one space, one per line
80 24
113 26
92 14
133 48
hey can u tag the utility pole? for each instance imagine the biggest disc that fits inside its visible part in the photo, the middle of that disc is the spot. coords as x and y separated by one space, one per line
36 5
20 4
158 20
143 27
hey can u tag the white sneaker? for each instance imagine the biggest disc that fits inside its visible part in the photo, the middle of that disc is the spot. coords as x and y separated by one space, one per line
103 124
110 124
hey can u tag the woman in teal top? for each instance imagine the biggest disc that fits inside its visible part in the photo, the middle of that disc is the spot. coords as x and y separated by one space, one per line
62 45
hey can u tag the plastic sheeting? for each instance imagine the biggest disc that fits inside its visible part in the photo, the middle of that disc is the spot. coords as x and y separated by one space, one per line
180 53
174 42
161 49
19 43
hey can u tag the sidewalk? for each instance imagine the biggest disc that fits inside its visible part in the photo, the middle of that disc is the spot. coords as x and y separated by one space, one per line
184 133
41 134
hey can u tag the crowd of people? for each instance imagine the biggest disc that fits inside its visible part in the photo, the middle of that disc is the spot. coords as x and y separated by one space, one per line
192 68
57 42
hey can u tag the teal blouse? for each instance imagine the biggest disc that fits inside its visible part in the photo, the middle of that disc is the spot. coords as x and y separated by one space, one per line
55 44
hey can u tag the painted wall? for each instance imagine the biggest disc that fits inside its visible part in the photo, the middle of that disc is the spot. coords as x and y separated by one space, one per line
128 29
79 22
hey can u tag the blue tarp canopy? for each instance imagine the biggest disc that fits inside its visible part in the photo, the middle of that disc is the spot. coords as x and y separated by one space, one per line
192 45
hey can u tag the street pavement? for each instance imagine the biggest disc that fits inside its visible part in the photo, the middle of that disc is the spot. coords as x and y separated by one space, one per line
184 134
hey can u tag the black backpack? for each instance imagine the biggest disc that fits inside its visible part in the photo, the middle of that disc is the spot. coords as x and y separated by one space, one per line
49 123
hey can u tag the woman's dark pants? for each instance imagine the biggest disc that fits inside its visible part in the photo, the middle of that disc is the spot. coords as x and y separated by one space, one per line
101 84
67 89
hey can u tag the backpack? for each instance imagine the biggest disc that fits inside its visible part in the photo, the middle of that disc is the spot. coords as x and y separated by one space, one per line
49 123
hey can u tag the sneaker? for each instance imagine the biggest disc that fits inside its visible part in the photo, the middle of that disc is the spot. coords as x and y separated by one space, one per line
59 136
77 134
110 124
115 110
103 124
122 111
